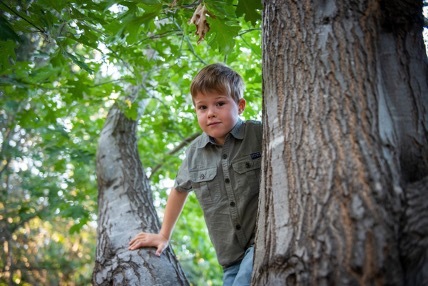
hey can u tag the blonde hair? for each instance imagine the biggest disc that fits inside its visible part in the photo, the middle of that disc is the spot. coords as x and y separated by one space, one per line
219 78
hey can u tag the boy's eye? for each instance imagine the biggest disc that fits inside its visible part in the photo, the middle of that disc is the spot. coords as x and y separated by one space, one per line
220 103
202 107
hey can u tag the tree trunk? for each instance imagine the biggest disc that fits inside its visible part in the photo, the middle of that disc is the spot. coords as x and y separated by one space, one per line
345 145
125 209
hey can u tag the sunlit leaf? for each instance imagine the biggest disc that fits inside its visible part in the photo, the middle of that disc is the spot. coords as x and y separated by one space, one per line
79 62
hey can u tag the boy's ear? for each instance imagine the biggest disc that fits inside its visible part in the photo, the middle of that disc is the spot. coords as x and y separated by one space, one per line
241 105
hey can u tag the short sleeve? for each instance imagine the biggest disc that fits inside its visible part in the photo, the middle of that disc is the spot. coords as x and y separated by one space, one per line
182 181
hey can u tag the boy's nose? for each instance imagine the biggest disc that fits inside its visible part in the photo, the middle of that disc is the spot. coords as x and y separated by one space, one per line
211 112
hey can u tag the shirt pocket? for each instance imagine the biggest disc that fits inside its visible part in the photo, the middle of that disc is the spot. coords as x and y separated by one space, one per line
247 173
205 185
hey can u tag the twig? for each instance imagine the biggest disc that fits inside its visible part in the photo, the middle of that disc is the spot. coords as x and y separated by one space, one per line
180 146
23 18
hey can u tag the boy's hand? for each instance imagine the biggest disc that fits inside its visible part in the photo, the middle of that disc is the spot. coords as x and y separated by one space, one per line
144 239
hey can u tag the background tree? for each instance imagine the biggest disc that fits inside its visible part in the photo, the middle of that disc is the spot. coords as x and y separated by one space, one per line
346 153
126 207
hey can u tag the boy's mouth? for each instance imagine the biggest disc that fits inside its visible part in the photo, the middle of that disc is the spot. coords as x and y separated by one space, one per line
213 123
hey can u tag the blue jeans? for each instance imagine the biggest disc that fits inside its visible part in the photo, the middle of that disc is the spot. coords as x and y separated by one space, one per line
239 274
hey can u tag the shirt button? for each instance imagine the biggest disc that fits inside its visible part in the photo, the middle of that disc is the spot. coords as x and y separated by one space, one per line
238 227
224 156
232 204
247 164
202 176
227 181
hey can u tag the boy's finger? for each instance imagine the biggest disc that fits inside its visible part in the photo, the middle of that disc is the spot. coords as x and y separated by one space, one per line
161 247
135 238
159 251
134 244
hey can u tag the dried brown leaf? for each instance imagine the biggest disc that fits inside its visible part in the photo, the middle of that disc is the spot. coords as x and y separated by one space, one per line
200 20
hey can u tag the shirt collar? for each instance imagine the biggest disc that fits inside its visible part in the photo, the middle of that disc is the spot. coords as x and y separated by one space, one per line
237 132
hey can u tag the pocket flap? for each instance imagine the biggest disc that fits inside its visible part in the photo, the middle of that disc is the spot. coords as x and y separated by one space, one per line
246 164
204 175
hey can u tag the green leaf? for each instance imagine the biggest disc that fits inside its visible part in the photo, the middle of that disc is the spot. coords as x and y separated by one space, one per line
6 31
77 89
77 227
132 112
135 24
251 10
58 5
223 9
80 63
7 50
151 2
222 36
42 17
44 74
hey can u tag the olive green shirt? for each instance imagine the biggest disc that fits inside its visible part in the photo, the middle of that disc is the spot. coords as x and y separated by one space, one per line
226 182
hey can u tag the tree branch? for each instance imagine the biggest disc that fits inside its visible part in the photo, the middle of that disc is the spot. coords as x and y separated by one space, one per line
180 146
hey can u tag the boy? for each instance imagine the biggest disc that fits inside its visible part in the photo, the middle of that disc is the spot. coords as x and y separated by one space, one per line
222 167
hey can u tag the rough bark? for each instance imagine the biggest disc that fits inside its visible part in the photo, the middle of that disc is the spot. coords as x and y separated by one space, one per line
125 209
345 145
404 76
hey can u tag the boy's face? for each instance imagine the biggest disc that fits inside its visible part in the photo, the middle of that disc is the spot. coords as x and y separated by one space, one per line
217 114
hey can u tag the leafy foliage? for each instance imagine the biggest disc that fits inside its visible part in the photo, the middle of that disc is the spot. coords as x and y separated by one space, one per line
64 64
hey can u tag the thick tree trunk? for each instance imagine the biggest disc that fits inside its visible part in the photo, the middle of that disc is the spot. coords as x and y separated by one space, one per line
404 75
125 209
345 152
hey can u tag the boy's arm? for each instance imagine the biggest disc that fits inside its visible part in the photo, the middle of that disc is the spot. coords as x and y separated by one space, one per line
173 208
